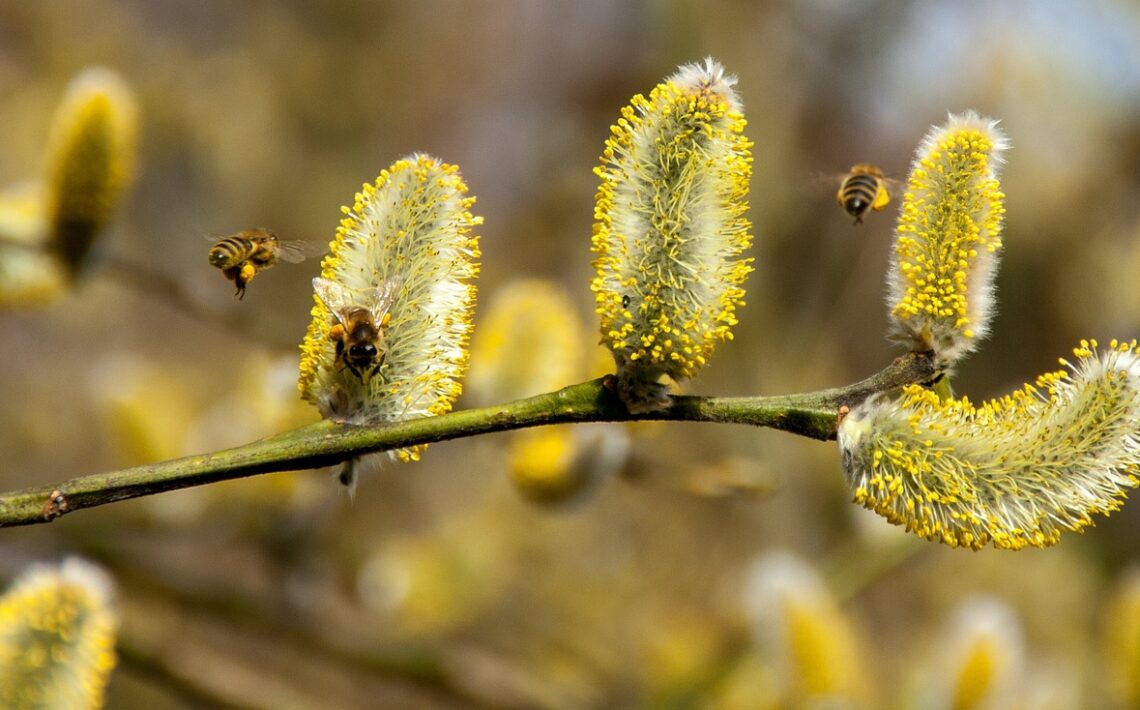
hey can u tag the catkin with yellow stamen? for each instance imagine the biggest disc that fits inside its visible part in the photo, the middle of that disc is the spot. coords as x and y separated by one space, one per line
411 230
1014 472
57 638
948 239
91 159
671 229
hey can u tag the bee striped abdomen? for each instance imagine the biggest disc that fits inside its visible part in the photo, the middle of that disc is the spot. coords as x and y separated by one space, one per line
859 192
230 252
863 189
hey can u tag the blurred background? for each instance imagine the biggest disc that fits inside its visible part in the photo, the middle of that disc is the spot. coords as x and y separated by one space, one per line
610 568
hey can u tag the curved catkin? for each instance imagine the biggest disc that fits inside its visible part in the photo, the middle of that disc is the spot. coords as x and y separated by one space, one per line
90 161
57 637
1014 472
670 230
410 232
940 283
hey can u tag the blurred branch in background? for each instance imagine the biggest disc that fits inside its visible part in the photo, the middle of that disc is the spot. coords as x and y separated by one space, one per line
171 291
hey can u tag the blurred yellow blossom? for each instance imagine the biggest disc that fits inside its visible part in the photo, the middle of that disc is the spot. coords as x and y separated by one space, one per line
804 634
1121 642
979 663
57 637
91 159
529 341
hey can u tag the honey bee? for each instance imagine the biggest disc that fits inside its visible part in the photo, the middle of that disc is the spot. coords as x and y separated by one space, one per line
863 188
360 323
240 256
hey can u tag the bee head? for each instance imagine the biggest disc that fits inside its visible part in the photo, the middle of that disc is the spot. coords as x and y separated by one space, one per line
362 351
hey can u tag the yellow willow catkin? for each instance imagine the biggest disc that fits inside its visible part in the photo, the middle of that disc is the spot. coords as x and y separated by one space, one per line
1015 472
410 234
529 340
979 661
29 275
948 239
57 637
1120 650
90 161
670 230
804 633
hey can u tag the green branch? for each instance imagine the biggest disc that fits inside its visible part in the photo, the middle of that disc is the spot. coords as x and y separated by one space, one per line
814 415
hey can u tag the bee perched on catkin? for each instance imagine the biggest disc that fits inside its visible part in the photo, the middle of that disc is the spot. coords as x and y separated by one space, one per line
948 240
670 230
1014 472
393 303
91 159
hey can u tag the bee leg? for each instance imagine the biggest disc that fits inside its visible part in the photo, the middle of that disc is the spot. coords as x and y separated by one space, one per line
233 273
245 274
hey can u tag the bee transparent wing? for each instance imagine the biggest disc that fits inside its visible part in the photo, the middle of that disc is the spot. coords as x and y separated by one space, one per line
379 300
333 295
830 183
387 296
895 186
295 250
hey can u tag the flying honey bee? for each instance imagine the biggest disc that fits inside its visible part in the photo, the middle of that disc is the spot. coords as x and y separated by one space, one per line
863 188
360 323
240 256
